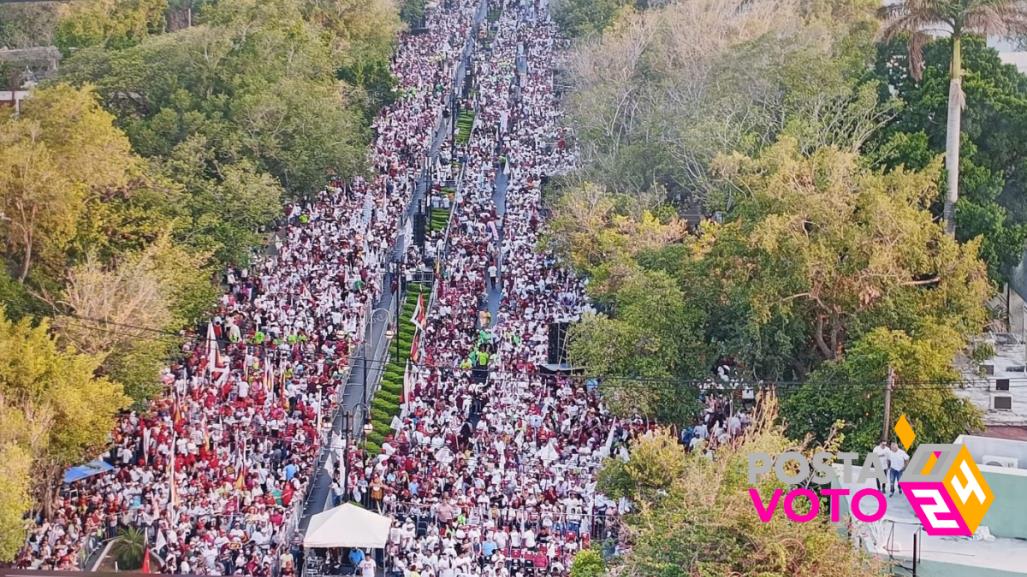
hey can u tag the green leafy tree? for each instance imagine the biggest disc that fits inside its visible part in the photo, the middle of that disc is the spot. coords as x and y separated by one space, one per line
17 437
38 377
656 462
25 25
649 333
821 250
660 94
585 17
118 312
991 176
852 390
411 12
915 19
112 23
60 155
129 548
673 533
263 115
817 251
588 563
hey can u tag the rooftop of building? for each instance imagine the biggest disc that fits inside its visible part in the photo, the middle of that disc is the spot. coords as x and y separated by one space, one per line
982 390
892 538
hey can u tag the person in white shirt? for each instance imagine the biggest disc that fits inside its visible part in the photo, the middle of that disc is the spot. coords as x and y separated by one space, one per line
897 459
368 566
881 450
529 538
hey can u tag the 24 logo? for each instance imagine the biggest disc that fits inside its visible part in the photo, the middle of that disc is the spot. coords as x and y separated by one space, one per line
947 491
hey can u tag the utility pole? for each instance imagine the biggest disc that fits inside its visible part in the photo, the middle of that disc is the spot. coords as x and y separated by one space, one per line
397 280
888 387
363 395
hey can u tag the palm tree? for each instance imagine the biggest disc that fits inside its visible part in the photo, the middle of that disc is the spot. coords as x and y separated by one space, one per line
956 18
129 548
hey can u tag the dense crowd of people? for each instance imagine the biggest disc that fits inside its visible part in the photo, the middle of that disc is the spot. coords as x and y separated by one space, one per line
217 468
491 471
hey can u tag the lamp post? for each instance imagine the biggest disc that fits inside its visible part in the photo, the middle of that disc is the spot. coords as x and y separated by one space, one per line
319 403
397 275
453 118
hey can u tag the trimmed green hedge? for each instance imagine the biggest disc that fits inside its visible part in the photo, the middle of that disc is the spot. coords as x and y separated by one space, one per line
464 124
392 397
385 406
439 219
386 402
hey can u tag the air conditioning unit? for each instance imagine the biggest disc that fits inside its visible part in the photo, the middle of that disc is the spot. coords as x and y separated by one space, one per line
1001 403
996 461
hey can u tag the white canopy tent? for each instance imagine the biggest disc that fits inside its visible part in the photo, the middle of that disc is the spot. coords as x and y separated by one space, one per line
348 526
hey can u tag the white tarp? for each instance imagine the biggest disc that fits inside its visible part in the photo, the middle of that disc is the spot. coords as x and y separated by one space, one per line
348 526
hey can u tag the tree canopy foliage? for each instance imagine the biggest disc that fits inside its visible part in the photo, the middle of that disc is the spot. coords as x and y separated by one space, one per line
817 158
162 151
818 251
56 413
663 91
992 180
261 117
60 157
693 515
25 25
848 390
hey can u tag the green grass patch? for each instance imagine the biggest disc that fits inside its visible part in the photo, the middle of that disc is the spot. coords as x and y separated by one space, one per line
386 403
390 397
439 219
464 124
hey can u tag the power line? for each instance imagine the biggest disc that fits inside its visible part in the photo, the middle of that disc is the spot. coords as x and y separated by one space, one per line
105 328
623 381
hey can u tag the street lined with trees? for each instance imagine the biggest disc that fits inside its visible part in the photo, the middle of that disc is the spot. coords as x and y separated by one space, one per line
810 196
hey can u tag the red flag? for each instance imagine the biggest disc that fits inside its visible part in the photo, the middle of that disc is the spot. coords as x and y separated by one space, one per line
420 312
415 348
285 398
146 561
240 481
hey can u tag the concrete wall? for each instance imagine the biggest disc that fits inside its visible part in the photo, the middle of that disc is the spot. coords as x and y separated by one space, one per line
979 447
936 569
1007 516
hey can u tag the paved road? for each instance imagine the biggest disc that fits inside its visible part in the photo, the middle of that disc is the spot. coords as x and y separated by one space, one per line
496 291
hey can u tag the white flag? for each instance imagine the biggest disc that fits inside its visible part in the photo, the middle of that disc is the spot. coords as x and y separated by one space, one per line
409 380
212 346
329 467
